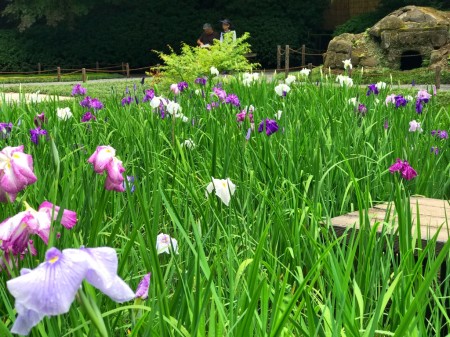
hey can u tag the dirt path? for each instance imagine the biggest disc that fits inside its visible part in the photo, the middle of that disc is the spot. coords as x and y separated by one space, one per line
29 98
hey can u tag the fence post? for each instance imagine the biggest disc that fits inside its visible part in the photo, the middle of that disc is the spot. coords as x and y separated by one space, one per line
97 66
123 68
278 57
127 66
58 73
310 67
438 77
83 75
39 68
286 61
303 55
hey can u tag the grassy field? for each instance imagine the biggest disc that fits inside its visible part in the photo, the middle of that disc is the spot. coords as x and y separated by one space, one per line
268 262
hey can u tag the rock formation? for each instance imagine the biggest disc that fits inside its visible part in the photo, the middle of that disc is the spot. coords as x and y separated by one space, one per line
407 38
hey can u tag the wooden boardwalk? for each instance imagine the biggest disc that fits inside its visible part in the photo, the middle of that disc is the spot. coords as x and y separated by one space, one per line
434 215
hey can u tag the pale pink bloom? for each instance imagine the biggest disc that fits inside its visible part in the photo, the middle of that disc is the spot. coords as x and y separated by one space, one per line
174 88
114 179
16 170
102 156
390 99
415 126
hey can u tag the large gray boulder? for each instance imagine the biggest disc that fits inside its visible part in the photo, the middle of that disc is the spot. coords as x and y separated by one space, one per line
411 31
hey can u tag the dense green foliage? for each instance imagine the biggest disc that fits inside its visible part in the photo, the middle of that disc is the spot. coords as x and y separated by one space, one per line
193 62
269 264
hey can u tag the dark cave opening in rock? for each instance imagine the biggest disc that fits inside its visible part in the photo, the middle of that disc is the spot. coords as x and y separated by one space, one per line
410 60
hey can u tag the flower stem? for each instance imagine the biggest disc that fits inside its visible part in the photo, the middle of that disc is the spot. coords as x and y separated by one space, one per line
93 312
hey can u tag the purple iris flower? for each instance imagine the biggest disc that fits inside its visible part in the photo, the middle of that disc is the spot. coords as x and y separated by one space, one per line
440 134
220 93
91 103
200 80
78 90
50 289
404 168
372 88
400 101
386 124
35 133
233 100
435 150
127 100
149 94
362 109
96 104
240 117
270 126
182 86
142 289
5 129
40 119
87 117
419 106
162 110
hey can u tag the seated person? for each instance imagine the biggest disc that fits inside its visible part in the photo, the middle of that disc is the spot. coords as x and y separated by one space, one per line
208 36
227 33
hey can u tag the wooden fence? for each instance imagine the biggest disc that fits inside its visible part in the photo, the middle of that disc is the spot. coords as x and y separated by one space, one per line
59 72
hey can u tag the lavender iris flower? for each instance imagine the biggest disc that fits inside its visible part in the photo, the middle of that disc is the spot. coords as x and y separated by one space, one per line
130 180
35 133
50 289
249 133
372 88
233 100
220 93
78 90
435 150
212 105
270 126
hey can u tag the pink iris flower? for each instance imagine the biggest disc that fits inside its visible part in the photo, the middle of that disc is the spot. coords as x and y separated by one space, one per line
104 159
15 232
16 172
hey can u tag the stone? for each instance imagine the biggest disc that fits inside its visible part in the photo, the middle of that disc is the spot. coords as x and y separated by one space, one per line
409 31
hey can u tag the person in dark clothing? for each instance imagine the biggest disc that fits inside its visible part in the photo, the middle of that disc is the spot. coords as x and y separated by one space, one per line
208 36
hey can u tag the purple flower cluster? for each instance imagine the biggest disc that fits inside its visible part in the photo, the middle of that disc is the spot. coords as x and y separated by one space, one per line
220 93
400 101
87 117
440 134
404 168
5 129
200 80
78 90
127 100
372 88
233 100
422 98
212 105
269 125
91 103
149 94
182 86
240 116
35 133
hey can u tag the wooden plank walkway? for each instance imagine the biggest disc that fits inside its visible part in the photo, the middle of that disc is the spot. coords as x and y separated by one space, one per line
434 214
